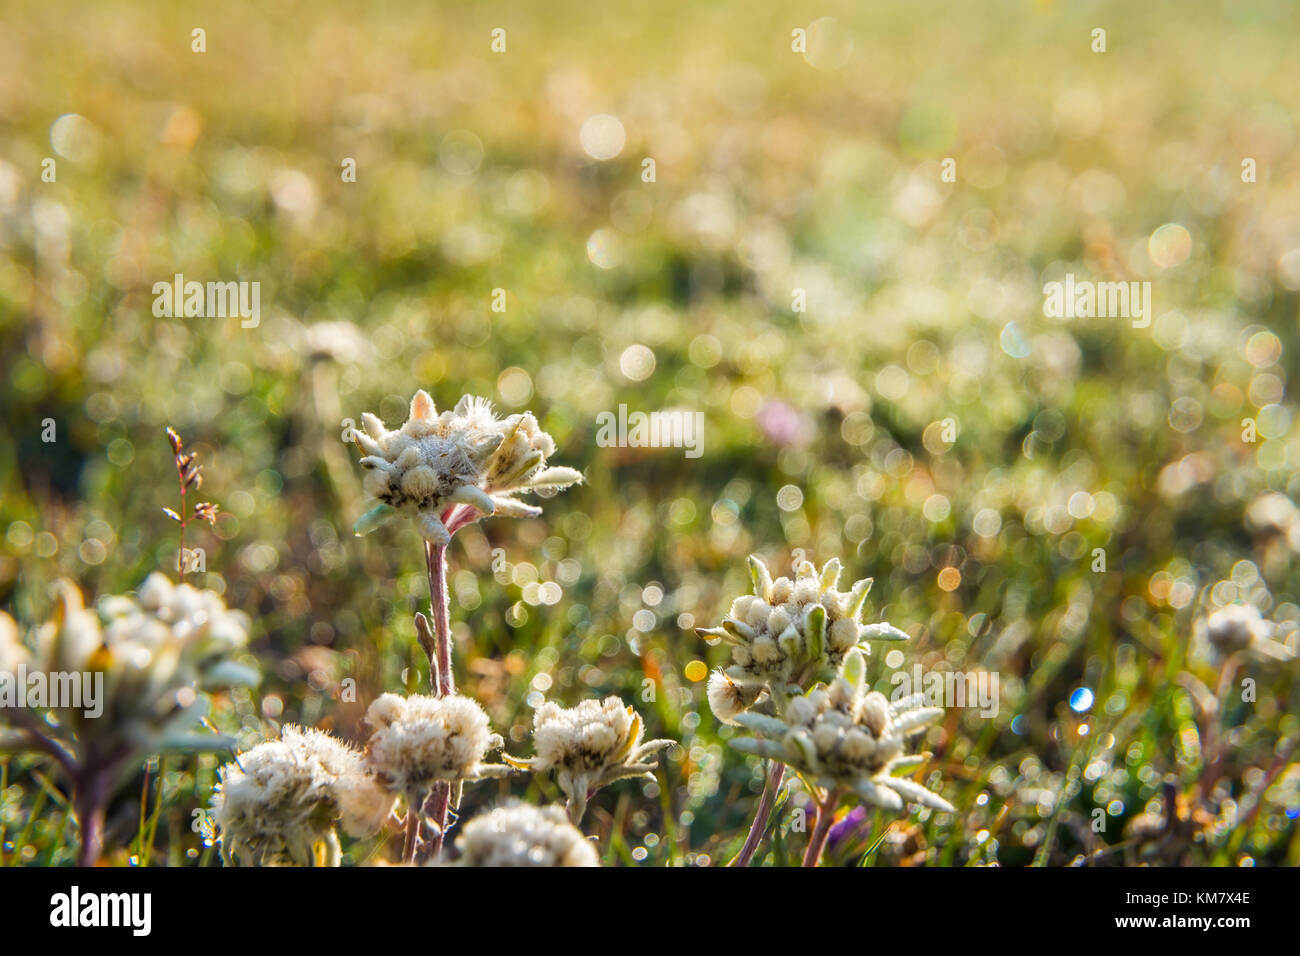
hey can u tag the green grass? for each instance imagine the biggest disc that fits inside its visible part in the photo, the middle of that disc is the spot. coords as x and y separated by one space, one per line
771 175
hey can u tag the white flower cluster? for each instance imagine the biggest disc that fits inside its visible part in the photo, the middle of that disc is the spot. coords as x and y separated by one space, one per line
789 632
588 747
176 626
520 835
844 735
280 802
466 456
157 651
418 740
1239 628
1273 513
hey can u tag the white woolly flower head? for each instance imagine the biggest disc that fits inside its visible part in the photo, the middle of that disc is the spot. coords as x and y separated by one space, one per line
418 740
845 735
157 650
464 457
199 619
789 632
592 735
522 835
588 747
280 802
1238 628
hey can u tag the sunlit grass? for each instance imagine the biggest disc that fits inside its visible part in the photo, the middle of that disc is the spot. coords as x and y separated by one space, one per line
773 173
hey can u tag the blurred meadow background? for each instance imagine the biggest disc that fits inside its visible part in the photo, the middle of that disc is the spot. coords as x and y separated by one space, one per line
922 419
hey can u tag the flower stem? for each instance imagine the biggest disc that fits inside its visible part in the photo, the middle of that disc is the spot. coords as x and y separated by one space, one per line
180 556
822 828
89 801
436 559
441 677
1212 747
761 815
412 834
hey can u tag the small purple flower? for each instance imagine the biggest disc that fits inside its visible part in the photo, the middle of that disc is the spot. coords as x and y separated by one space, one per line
784 425
848 827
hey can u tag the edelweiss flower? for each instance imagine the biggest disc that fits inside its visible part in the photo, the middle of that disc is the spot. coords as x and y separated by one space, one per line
1238 627
521 835
163 613
419 740
156 651
280 801
787 632
467 458
842 735
589 746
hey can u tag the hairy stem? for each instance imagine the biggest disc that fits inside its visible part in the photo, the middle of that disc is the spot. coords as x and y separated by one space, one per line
89 801
765 803
441 677
436 558
412 837
822 828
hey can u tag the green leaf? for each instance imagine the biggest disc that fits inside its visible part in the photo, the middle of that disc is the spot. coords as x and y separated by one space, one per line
377 516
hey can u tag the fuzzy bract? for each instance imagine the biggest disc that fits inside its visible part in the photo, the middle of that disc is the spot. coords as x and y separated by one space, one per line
520 835
280 802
